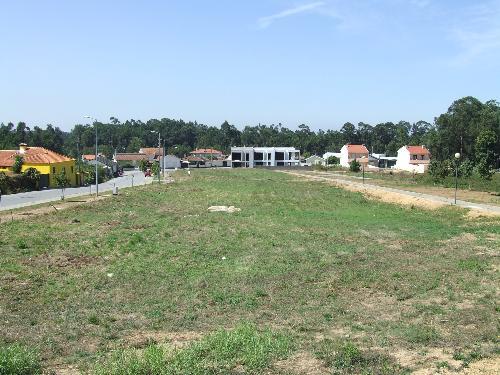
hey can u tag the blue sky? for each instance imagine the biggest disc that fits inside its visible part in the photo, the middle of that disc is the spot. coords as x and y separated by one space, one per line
322 63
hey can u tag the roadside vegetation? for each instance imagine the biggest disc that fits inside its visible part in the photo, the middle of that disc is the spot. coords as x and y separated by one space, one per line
305 275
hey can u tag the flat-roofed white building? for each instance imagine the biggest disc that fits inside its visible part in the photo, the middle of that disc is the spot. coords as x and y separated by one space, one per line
250 157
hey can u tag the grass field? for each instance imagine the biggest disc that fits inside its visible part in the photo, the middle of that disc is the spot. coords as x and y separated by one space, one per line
307 278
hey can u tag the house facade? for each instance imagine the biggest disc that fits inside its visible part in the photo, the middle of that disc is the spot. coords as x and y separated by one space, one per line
414 159
207 153
250 157
171 162
48 163
314 160
350 152
130 159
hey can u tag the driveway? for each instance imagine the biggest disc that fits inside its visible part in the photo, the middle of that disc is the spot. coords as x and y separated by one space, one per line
13 201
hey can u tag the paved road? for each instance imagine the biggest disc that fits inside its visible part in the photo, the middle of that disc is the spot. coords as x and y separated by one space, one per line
13 201
323 176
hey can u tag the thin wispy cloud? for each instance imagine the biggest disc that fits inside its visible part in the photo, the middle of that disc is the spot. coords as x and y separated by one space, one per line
267 21
478 33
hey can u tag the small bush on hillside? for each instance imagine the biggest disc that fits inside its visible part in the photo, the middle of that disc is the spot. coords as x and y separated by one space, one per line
354 166
19 360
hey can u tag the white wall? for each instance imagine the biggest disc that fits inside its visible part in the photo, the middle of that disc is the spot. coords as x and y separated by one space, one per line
344 156
172 162
403 162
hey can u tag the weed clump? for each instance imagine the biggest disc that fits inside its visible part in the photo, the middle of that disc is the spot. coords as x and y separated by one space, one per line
16 359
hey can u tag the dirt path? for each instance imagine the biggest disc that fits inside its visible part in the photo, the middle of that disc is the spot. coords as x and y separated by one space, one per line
43 209
398 196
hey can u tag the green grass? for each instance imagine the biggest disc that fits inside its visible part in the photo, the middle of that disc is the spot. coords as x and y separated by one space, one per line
408 179
18 360
219 353
301 257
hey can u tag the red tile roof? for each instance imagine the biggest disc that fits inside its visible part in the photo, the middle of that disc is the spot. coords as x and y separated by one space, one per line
206 151
88 157
32 155
151 151
130 157
357 149
420 150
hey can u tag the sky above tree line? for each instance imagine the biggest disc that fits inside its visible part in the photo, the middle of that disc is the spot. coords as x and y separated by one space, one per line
321 63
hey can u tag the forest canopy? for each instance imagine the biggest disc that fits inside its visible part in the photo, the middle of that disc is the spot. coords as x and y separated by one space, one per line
469 127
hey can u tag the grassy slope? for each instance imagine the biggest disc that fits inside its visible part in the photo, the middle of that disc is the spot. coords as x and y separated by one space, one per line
315 260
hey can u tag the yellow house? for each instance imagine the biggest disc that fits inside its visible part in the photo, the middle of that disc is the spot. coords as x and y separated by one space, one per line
47 162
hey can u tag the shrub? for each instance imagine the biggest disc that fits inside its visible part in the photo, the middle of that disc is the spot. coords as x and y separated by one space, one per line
89 171
354 166
18 164
483 168
19 360
143 165
32 177
332 160
3 183
439 169
466 168
155 168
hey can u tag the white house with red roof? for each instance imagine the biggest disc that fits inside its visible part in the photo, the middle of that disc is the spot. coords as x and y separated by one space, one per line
350 152
413 159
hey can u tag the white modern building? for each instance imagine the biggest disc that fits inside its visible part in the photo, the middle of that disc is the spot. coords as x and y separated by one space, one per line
250 157
413 159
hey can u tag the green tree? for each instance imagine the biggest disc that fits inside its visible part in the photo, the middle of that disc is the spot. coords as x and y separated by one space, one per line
62 182
134 144
18 164
485 154
143 165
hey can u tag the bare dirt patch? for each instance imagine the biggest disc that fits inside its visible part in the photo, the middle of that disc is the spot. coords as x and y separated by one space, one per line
425 363
23 213
302 363
62 261
142 339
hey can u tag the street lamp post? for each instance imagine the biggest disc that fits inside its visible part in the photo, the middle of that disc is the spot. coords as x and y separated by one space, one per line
159 156
94 121
457 157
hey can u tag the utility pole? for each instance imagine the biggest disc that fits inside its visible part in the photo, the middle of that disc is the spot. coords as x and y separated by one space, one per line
94 121
159 157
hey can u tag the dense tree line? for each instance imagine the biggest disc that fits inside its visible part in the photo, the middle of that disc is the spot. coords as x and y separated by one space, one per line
469 127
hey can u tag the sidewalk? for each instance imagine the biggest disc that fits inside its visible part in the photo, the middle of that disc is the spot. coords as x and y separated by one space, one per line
13 201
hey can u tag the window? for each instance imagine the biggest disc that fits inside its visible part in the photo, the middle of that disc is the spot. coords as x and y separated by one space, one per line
414 157
53 170
72 170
